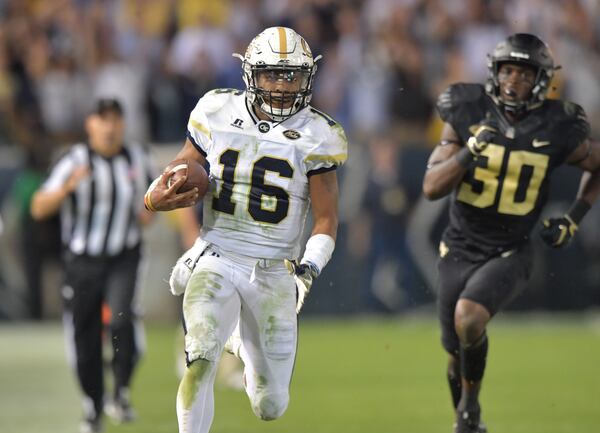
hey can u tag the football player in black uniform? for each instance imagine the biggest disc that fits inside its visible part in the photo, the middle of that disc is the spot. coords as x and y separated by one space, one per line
499 145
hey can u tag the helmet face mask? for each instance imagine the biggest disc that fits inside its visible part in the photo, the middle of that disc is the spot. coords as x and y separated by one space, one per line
516 81
523 50
278 69
280 92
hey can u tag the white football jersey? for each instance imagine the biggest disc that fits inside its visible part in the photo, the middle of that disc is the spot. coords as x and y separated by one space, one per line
258 198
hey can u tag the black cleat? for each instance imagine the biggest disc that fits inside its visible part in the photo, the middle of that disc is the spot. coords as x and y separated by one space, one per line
469 422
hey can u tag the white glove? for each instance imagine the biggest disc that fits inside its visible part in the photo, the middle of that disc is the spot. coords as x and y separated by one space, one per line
304 274
182 271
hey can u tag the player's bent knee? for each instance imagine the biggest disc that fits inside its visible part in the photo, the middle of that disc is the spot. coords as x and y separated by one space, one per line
469 329
470 323
269 407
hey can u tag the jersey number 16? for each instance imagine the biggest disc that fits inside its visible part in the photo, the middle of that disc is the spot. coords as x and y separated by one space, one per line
267 203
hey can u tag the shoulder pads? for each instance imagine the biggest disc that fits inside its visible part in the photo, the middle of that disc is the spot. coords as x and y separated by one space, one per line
574 118
457 96
215 99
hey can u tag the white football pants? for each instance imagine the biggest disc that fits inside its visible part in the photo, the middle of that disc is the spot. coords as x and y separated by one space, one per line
260 294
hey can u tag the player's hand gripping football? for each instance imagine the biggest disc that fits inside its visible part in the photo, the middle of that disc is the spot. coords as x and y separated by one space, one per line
304 274
480 139
164 197
557 232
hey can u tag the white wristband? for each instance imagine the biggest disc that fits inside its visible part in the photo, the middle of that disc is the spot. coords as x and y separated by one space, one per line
319 249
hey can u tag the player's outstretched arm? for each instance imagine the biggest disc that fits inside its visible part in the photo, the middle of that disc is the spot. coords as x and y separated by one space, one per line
587 157
323 189
164 197
324 203
557 232
446 165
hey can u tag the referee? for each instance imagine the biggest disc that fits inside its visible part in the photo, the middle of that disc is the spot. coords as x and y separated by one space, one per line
98 188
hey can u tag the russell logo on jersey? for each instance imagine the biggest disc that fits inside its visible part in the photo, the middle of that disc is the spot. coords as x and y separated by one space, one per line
238 123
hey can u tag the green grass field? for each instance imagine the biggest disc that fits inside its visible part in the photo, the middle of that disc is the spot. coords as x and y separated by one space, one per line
379 376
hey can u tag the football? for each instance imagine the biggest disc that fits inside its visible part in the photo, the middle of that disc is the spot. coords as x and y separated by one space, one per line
196 175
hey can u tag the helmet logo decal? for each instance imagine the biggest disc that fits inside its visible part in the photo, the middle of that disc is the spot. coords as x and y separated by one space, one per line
282 42
291 134
519 55
264 127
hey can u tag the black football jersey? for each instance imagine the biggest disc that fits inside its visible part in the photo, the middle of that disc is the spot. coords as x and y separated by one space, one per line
498 201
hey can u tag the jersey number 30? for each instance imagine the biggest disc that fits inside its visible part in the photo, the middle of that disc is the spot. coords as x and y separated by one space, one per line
489 176
266 203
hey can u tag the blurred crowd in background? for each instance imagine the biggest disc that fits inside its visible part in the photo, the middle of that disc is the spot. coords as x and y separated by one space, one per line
384 63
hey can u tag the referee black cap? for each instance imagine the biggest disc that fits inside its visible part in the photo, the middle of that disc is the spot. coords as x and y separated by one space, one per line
108 105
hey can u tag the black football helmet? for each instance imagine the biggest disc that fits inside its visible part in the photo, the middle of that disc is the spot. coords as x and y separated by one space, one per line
527 49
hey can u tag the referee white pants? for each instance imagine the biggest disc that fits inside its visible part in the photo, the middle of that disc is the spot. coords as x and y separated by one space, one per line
260 294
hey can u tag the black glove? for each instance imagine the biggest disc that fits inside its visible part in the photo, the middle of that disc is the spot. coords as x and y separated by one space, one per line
483 135
557 232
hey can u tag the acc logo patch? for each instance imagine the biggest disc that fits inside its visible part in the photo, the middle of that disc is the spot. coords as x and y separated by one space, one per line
264 127
291 134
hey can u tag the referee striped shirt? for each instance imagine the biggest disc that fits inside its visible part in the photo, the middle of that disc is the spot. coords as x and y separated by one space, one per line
100 218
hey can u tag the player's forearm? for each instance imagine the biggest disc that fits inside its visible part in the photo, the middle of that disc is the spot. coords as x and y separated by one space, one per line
589 187
441 178
324 203
325 226
44 204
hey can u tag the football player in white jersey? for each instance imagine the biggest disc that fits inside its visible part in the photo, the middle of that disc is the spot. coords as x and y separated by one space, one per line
271 157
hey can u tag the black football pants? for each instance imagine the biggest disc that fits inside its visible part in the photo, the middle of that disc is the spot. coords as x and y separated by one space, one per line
90 283
492 283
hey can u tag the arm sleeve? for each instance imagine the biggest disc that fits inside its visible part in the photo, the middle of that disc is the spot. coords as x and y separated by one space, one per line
329 154
198 130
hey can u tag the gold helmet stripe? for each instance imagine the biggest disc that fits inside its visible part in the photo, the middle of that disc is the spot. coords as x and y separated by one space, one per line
282 42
